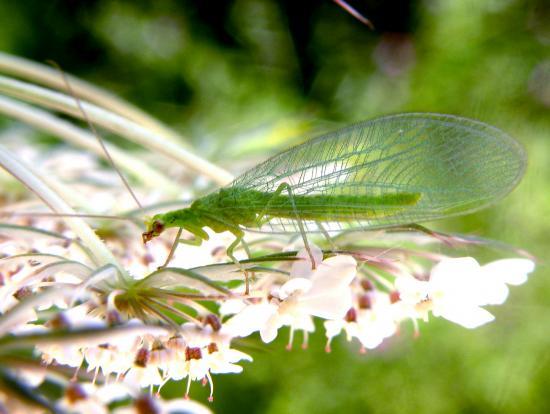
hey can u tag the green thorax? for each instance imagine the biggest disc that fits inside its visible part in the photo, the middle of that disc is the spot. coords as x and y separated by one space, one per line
221 211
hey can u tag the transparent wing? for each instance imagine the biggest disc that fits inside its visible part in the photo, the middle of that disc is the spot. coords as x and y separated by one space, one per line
455 165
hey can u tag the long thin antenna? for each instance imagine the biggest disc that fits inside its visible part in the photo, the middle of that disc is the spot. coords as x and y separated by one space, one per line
39 214
95 133
354 13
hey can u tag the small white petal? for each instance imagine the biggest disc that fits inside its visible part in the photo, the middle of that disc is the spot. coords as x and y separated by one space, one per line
294 285
468 316
335 272
489 291
510 271
352 330
333 327
269 331
198 368
231 307
375 325
224 367
411 290
250 319
142 377
327 305
302 322
303 268
370 340
234 355
330 295
456 271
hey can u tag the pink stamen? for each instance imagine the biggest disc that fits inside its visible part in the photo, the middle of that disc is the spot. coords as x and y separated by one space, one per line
290 340
188 387
416 329
305 341
211 396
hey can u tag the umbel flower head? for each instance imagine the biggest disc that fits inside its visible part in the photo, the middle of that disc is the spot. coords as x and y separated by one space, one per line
122 331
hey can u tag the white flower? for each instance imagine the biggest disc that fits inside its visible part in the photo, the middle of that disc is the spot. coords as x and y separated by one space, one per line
250 319
326 291
222 358
200 351
143 373
369 324
451 291
323 292
217 355
117 353
108 358
376 323
458 287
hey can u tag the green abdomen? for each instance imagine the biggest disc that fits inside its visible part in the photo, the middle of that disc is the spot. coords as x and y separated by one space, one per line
340 207
244 206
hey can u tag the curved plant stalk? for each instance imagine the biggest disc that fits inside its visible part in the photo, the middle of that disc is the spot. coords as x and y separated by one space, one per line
46 75
117 124
32 233
18 389
170 277
101 255
18 314
80 137
35 258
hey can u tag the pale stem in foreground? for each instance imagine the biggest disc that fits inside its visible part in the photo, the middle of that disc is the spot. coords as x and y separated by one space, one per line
117 124
79 137
46 75
101 254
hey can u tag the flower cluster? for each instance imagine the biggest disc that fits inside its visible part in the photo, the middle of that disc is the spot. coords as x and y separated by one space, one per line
364 293
366 297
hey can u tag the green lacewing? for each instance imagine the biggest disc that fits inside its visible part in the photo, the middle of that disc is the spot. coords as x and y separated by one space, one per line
387 172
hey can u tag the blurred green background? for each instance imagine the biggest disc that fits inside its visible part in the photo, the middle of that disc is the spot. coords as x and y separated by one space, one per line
244 78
